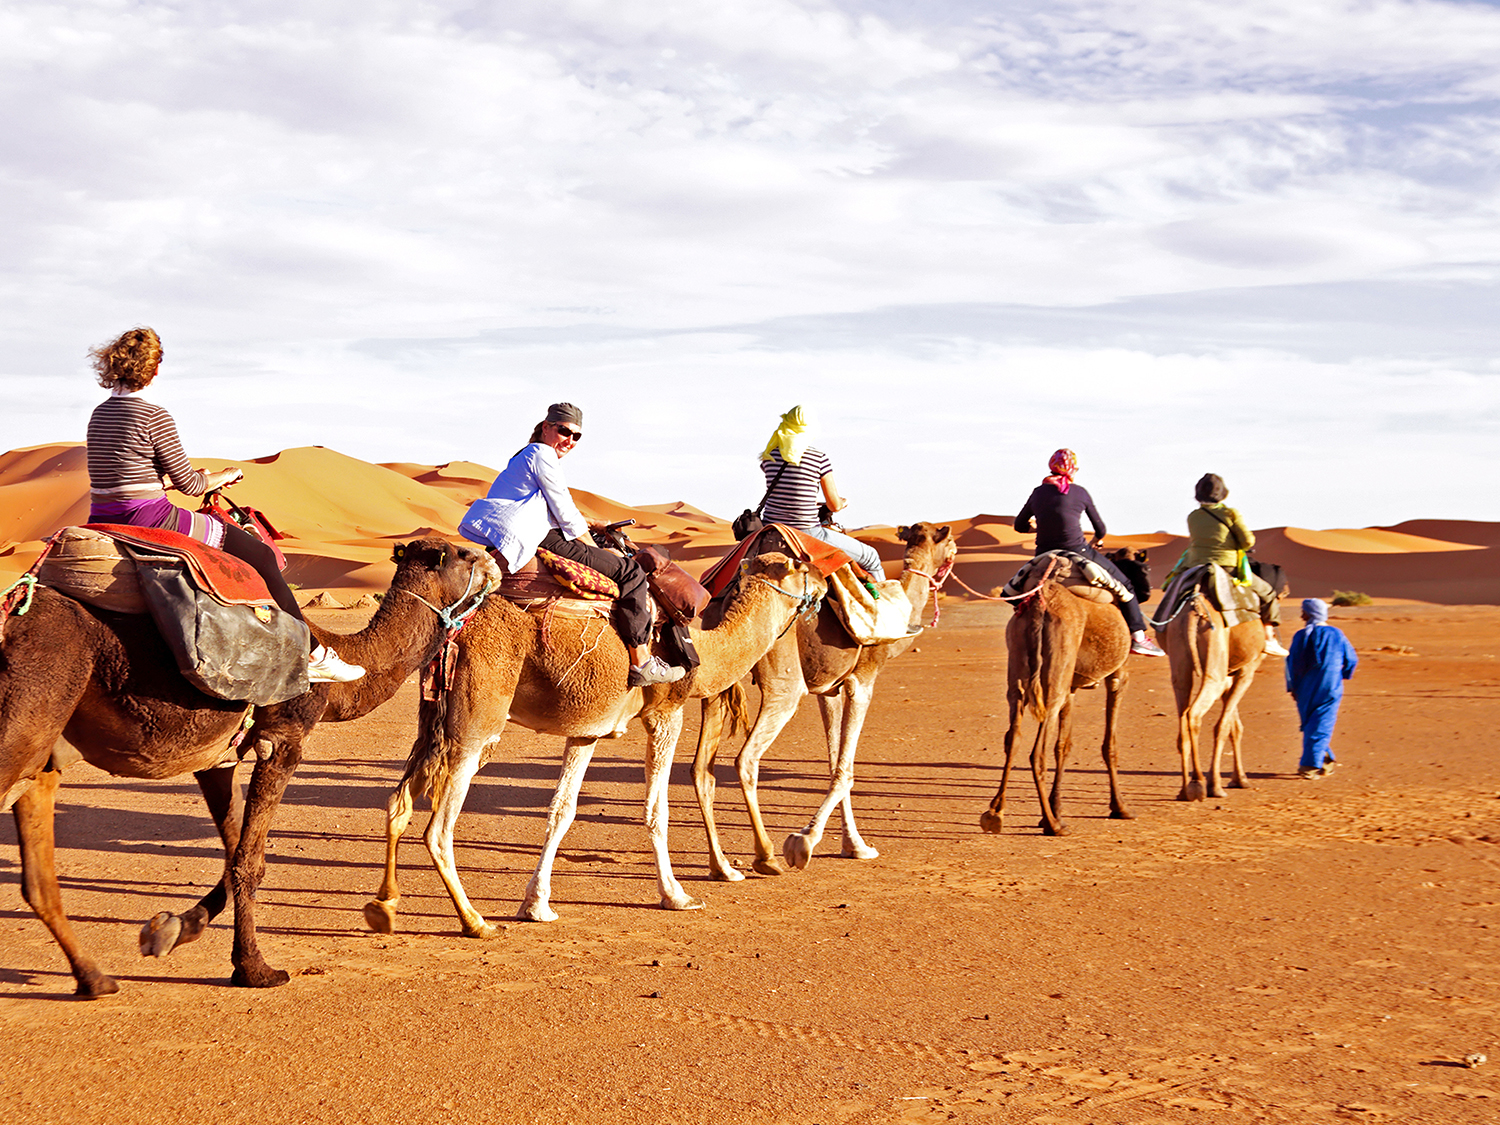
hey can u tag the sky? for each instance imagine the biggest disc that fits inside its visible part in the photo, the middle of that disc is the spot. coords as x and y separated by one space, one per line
1175 236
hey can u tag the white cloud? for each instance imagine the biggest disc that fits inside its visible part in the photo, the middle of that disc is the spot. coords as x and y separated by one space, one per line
293 194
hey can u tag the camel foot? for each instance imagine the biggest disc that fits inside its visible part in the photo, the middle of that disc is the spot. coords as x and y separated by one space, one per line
1048 829
537 912
726 874
260 976
159 935
1239 783
486 931
381 916
992 822
1192 791
1121 814
686 902
858 850
767 866
93 984
797 851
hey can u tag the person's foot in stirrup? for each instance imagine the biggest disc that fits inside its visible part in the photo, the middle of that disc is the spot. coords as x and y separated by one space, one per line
655 670
325 667
1142 645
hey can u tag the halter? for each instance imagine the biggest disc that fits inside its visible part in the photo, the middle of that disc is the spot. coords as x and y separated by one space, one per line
935 583
807 601
452 621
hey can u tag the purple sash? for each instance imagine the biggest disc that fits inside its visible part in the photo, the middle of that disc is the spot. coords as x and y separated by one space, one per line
162 513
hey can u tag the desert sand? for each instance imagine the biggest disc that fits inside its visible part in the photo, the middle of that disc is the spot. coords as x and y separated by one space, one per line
1298 952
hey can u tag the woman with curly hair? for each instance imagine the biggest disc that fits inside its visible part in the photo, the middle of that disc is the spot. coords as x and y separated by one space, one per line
133 450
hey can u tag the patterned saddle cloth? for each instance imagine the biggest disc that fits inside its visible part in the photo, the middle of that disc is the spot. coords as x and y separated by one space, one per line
550 577
1070 569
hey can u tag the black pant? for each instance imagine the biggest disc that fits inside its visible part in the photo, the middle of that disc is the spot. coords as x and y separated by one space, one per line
632 614
242 545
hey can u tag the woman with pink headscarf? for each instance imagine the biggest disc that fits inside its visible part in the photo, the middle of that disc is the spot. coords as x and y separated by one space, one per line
1055 510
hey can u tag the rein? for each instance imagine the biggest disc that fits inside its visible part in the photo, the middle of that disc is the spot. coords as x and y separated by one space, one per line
453 622
18 596
437 677
806 601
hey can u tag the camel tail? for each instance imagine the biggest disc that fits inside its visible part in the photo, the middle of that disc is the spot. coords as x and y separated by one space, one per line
733 698
427 764
1034 622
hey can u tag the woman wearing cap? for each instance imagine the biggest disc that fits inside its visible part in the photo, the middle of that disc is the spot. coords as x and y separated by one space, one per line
797 475
529 506
1055 510
133 446
1217 534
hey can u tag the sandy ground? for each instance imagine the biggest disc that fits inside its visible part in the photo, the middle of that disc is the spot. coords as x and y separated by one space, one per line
1300 952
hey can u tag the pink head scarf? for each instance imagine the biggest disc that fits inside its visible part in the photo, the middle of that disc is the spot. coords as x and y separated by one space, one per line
1064 464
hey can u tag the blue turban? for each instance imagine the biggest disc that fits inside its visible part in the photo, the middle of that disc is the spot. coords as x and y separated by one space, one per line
1315 610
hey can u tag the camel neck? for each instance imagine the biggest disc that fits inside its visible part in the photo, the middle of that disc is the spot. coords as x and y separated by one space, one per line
395 643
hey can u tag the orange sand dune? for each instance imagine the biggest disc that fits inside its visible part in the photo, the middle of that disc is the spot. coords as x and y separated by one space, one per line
343 516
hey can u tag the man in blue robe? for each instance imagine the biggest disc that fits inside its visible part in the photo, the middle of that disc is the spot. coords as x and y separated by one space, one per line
1320 660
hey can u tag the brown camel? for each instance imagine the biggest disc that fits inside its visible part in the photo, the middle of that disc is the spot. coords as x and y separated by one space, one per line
567 676
1211 661
818 658
1063 636
77 682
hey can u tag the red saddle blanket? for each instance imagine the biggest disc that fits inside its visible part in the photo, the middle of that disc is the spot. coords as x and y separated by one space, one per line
230 580
824 558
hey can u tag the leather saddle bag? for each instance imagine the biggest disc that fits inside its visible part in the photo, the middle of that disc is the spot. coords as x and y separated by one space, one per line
678 592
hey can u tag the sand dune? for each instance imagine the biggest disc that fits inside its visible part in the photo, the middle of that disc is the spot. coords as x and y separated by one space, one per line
344 516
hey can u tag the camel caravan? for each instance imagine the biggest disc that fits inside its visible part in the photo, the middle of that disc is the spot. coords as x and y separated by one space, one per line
157 641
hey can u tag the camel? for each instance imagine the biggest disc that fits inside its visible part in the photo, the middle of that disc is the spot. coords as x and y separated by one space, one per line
1211 661
1064 636
817 658
566 675
78 682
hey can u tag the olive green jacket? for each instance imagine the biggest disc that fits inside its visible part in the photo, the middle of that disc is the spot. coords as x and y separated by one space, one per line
1214 540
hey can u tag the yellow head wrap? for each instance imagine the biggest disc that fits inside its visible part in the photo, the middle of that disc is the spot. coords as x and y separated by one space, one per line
791 438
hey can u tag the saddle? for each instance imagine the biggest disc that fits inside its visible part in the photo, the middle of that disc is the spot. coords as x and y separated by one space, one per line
1083 576
823 558
1237 603
228 636
549 579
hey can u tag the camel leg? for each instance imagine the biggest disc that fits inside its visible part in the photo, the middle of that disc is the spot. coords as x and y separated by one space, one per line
1064 748
1046 736
710 733
34 826
662 732
1239 684
993 818
380 911
1239 779
267 785
536 906
439 835
776 711
799 846
835 712
166 931
1114 688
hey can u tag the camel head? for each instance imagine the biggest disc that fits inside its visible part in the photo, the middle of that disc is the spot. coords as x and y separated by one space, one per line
928 545
1136 566
787 574
443 573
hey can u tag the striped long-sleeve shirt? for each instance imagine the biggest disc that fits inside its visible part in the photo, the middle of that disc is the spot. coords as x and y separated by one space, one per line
132 445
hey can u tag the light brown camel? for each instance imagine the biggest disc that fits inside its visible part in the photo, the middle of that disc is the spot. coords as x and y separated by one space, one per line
1211 661
82 683
818 657
567 677
1062 637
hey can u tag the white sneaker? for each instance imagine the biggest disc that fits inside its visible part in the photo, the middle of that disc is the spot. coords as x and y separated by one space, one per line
655 671
325 667
1273 648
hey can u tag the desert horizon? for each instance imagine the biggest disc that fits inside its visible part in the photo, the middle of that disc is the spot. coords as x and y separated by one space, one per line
342 516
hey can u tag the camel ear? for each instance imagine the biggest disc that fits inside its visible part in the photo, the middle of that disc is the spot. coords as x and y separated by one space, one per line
903 533
399 553
942 533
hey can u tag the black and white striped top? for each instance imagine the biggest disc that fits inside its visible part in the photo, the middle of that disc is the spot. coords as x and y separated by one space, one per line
132 444
795 498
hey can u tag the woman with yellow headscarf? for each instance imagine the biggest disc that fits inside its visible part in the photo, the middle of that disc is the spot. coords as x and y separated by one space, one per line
796 474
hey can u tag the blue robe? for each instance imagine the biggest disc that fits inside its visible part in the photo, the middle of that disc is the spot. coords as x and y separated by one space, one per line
1320 660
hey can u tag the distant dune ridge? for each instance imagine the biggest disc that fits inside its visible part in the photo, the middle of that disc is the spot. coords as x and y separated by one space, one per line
343 516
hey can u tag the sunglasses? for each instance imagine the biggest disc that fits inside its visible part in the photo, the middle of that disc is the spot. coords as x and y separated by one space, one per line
570 435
